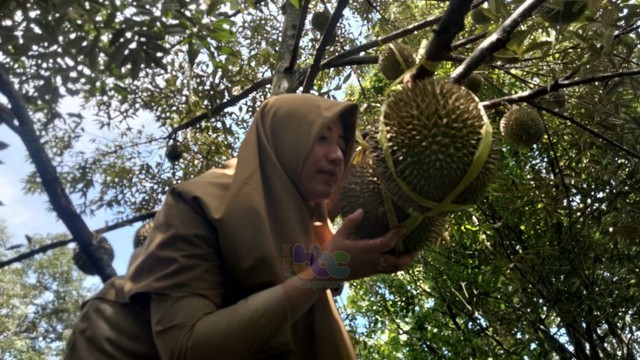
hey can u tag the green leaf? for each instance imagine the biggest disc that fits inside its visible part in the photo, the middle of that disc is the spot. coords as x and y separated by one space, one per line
295 3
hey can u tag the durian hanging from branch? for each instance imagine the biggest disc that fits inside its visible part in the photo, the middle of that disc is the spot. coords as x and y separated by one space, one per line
429 155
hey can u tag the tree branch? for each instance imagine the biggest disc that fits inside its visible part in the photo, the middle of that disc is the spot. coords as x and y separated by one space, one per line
59 199
327 38
7 117
56 244
555 86
284 76
439 47
496 41
222 106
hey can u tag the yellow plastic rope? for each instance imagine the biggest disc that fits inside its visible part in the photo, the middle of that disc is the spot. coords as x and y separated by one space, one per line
358 154
479 159
408 225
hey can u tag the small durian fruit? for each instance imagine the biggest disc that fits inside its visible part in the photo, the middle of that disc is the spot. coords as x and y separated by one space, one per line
174 152
362 190
101 246
522 127
320 20
142 233
474 82
479 16
395 59
562 12
433 130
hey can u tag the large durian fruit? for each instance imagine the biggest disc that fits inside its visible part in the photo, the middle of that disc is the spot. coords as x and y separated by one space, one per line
562 12
522 127
433 131
100 246
395 59
429 134
142 233
362 190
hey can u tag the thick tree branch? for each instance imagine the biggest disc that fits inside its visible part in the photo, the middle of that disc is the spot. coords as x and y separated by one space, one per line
496 41
56 244
450 25
284 76
59 199
7 118
327 38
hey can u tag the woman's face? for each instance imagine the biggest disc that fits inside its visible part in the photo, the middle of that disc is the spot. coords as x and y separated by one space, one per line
324 166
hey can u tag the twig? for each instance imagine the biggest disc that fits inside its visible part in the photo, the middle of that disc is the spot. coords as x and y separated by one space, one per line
555 86
60 243
590 131
221 107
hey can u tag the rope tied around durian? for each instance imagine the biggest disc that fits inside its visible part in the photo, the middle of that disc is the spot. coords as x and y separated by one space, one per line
479 159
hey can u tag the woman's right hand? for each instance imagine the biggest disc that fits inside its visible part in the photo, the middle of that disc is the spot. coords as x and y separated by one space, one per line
365 257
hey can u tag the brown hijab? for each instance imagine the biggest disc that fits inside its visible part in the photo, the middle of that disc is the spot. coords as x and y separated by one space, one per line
258 215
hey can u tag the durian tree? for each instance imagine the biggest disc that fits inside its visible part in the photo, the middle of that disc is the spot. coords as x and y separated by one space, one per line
543 267
40 299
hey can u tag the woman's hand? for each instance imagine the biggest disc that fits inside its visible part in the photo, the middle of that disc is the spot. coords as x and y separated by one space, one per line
364 257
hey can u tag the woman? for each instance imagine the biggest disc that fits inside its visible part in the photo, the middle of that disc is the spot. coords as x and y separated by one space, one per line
240 260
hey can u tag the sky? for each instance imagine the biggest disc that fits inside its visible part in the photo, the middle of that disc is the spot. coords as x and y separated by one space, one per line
28 214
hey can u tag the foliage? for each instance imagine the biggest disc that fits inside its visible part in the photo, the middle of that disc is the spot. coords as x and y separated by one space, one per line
545 267
40 300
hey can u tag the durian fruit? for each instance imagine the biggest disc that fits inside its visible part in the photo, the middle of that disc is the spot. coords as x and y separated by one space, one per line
174 152
522 127
474 82
142 233
101 246
562 12
320 20
362 190
433 130
479 16
392 64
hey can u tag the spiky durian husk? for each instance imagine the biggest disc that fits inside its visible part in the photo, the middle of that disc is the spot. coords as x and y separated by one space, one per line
522 127
474 82
562 11
142 233
362 191
433 129
390 66
320 20
102 247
